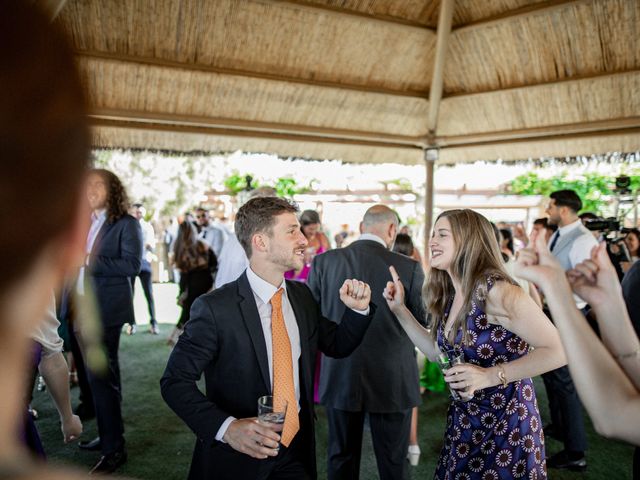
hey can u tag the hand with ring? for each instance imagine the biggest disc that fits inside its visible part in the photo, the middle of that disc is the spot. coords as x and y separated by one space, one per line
468 378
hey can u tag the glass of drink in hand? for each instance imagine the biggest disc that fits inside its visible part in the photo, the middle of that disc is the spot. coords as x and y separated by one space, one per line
445 363
272 411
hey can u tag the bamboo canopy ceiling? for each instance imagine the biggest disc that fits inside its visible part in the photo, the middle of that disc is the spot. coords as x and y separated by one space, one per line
361 80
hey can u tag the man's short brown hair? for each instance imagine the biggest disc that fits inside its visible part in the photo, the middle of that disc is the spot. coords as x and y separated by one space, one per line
258 215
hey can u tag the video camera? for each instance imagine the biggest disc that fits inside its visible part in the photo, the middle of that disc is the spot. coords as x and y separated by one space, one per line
608 225
611 232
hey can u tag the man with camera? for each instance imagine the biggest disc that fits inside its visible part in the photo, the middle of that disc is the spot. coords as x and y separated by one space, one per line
570 244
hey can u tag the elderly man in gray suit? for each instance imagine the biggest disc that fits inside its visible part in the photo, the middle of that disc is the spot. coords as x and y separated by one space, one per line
380 378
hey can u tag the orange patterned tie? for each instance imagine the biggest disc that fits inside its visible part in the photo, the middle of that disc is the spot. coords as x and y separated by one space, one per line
283 385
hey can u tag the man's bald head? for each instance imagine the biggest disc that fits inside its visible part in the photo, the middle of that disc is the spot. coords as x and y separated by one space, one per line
381 221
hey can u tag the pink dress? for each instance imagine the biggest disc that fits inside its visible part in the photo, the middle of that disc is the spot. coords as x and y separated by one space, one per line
302 277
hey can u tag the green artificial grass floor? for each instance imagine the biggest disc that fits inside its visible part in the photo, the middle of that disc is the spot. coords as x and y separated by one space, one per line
160 446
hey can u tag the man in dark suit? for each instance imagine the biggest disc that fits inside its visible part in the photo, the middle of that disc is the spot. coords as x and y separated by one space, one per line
259 336
380 378
114 250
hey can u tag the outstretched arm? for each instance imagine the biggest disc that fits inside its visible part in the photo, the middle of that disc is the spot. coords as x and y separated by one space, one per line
596 281
606 392
419 335
55 371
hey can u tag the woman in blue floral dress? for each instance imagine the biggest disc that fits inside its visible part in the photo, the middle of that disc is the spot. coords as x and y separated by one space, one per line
494 429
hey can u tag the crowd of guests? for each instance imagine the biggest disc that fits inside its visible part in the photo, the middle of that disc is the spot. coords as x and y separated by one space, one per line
287 297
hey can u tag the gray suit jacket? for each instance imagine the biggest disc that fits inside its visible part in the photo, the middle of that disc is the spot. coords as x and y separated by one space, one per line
381 375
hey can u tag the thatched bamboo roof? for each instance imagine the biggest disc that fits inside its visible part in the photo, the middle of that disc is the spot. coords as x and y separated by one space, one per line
357 79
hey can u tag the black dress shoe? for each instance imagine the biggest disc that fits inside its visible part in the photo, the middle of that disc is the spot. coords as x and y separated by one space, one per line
562 460
109 463
92 445
85 412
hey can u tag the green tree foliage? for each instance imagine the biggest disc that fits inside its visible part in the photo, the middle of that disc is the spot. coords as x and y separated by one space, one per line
595 189
286 187
235 183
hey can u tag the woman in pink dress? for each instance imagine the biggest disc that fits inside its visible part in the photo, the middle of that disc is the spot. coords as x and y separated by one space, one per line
318 243
310 226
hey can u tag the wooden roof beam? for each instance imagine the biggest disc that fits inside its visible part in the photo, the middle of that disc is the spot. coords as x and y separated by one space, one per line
442 43
559 81
244 128
331 10
158 62
523 12
539 133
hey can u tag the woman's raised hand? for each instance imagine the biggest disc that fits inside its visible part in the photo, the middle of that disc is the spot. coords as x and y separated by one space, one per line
537 264
595 280
394 292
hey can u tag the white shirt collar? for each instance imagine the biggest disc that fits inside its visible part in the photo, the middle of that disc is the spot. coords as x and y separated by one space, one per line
261 288
102 213
567 228
373 238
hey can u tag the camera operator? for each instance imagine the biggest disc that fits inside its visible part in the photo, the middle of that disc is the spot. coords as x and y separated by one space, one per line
609 230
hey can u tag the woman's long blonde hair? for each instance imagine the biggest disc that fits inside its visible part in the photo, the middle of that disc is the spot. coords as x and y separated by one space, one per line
477 258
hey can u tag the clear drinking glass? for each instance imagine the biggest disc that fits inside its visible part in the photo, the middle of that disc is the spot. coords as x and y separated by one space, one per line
272 410
445 363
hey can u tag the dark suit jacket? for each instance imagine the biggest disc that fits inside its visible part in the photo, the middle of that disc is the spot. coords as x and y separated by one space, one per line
224 339
115 258
381 375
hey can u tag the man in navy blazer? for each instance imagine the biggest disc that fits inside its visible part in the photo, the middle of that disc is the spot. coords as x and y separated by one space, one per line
230 340
114 250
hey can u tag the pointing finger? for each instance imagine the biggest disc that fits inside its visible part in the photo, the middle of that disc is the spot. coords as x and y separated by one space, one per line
394 274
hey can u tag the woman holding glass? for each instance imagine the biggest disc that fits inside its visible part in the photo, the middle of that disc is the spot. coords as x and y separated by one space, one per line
480 313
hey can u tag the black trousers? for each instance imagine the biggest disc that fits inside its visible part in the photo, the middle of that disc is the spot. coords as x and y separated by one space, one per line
565 407
288 465
86 396
390 436
107 394
147 286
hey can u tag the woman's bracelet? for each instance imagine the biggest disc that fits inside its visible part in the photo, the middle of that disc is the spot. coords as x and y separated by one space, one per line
626 356
502 376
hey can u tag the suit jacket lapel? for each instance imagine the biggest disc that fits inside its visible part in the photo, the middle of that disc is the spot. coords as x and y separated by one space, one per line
303 327
104 230
252 321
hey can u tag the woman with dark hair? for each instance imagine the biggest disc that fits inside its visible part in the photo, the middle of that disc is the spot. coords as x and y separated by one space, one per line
196 262
310 226
506 242
404 245
484 319
509 265
632 240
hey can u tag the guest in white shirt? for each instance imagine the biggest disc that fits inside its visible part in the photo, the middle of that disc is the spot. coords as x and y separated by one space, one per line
214 235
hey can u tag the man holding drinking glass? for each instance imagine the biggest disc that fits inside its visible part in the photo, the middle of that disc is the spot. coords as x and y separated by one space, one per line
254 337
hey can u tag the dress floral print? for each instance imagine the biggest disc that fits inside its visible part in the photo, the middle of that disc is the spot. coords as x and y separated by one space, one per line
497 434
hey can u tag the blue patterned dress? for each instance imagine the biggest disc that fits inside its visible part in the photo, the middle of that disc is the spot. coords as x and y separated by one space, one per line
497 434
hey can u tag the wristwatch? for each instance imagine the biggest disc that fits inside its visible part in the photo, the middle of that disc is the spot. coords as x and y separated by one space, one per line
502 376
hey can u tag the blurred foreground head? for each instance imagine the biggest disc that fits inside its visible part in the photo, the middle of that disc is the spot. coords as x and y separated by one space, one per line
44 145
